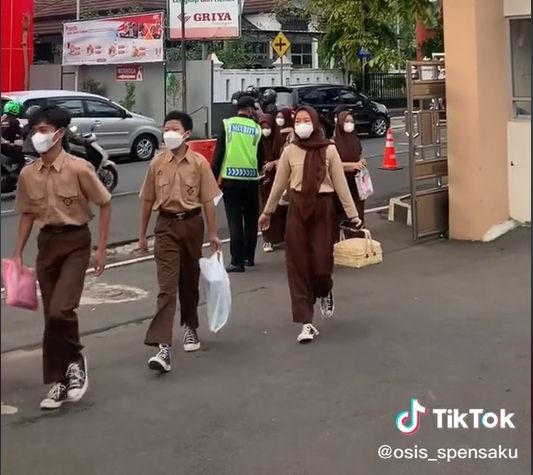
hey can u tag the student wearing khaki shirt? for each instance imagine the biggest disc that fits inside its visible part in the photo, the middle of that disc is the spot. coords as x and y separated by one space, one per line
178 185
56 192
312 169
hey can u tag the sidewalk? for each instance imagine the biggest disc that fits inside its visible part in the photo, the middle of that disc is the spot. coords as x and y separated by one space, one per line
446 322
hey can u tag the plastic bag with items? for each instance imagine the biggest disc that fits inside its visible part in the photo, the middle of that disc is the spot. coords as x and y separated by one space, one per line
217 291
21 285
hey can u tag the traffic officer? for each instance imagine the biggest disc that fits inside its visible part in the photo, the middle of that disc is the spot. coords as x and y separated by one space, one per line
56 191
178 185
237 161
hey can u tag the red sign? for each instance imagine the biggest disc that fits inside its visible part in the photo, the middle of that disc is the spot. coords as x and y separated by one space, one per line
130 72
17 43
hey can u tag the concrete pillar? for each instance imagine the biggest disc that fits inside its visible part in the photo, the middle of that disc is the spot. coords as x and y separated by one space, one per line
477 85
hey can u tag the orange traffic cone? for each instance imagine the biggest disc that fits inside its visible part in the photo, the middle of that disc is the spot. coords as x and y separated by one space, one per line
389 157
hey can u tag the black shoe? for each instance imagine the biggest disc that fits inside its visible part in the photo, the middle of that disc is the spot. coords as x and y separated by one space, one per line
56 396
161 361
233 268
78 379
249 263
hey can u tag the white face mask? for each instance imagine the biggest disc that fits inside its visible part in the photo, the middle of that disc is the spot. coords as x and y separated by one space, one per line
304 131
349 127
42 143
267 132
280 121
172 139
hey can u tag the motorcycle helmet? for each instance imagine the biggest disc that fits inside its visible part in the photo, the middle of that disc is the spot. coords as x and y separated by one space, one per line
253 92
270 96
13 108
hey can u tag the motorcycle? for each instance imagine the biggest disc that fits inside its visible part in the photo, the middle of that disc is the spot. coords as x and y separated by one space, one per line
11 163
92 152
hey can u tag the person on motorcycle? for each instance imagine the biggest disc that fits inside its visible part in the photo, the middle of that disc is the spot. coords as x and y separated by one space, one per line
268 102
11 130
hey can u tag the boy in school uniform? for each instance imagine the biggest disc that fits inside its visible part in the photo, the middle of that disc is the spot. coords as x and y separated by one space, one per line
178 185
56 191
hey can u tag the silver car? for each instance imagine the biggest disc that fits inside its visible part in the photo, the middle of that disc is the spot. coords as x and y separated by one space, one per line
119 131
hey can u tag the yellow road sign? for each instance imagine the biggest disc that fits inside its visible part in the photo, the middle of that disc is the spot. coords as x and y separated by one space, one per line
281 44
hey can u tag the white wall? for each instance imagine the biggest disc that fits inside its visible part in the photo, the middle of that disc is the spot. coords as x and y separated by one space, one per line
519 163
517 7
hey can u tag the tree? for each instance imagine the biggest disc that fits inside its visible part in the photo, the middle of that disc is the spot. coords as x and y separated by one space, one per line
129 100
370 24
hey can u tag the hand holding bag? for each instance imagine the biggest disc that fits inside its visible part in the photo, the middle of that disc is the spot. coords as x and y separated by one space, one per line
217 290
20 284
364 184
357 252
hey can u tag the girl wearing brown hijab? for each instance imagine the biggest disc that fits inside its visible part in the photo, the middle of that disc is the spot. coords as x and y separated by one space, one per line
349 149
272 148
286 124
311 167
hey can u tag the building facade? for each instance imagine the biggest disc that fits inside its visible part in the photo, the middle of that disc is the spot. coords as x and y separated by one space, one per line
488 95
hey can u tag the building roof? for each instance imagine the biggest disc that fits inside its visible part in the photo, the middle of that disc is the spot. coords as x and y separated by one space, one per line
259 6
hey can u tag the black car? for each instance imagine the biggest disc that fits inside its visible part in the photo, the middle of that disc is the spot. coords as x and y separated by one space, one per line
371 117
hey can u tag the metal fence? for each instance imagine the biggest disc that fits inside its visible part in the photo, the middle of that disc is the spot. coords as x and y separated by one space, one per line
387 88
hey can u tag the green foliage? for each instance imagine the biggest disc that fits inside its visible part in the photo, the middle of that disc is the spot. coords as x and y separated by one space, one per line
237 54
129 100
94 87
371 24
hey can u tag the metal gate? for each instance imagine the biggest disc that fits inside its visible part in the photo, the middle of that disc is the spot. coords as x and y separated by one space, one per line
425 127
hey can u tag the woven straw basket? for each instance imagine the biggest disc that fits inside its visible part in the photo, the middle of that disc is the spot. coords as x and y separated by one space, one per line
357 252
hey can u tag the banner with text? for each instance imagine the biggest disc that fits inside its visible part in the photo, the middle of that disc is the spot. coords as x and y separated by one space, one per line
205 19
114 40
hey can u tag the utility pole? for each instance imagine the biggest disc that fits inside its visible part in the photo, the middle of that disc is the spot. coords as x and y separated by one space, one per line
183 59
77 70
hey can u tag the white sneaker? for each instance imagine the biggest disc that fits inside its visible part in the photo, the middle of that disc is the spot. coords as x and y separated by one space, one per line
191 342
161 361
268 247
308 333
327 306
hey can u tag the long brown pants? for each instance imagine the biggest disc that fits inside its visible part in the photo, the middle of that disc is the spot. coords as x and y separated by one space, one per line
178 248
309 251
275 234
62 259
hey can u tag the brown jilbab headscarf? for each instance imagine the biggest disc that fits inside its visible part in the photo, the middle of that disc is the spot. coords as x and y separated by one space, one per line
272 144
348 145
314 164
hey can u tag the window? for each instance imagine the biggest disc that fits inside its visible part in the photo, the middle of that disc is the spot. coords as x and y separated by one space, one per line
313 97
259 51
302 55
74 106
100 109
520 30
33 102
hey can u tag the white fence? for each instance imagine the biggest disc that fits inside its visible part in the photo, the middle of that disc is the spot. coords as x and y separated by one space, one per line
228 81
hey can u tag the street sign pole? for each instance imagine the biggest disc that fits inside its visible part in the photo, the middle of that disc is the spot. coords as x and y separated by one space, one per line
281 68
183 60
363 76
281 45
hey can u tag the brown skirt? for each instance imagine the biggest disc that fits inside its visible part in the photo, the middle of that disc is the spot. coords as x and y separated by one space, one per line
276 232
309 254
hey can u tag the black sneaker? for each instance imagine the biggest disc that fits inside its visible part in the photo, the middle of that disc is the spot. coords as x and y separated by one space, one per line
327 306
56 396
191 341
249 263
161 361
78 380
232 268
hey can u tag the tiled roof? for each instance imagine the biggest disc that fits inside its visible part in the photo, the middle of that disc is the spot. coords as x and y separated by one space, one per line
67 8
259 6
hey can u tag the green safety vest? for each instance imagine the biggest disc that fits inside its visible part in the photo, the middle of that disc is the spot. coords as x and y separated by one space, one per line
242 141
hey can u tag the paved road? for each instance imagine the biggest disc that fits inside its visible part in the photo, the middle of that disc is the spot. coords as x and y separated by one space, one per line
429 322
126 202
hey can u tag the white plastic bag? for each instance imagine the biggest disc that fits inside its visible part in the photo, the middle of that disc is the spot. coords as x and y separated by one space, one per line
217 290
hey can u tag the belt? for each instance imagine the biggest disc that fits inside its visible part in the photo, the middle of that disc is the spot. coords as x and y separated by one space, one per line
182 215
67 228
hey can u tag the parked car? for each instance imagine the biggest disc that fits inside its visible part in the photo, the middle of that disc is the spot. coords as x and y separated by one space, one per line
119 131
371 117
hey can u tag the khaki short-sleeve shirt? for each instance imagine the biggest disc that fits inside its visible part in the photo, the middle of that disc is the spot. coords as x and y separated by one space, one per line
178 185
60 194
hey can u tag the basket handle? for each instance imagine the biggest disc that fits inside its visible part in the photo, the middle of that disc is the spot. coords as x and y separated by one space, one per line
369 243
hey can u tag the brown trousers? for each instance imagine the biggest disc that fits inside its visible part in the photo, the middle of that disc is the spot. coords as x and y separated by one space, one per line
359 204
276 232
178 248
62 259
309 251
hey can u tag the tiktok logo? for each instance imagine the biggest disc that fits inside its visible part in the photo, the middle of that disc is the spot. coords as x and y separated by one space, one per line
408 422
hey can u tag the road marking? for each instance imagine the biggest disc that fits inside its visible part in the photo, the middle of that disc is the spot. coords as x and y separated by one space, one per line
8 410
150 257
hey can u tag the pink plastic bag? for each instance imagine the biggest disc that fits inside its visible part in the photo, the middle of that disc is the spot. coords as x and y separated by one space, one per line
21 286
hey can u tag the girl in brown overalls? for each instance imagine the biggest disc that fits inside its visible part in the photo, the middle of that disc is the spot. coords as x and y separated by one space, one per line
312 168
350 150
272 147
